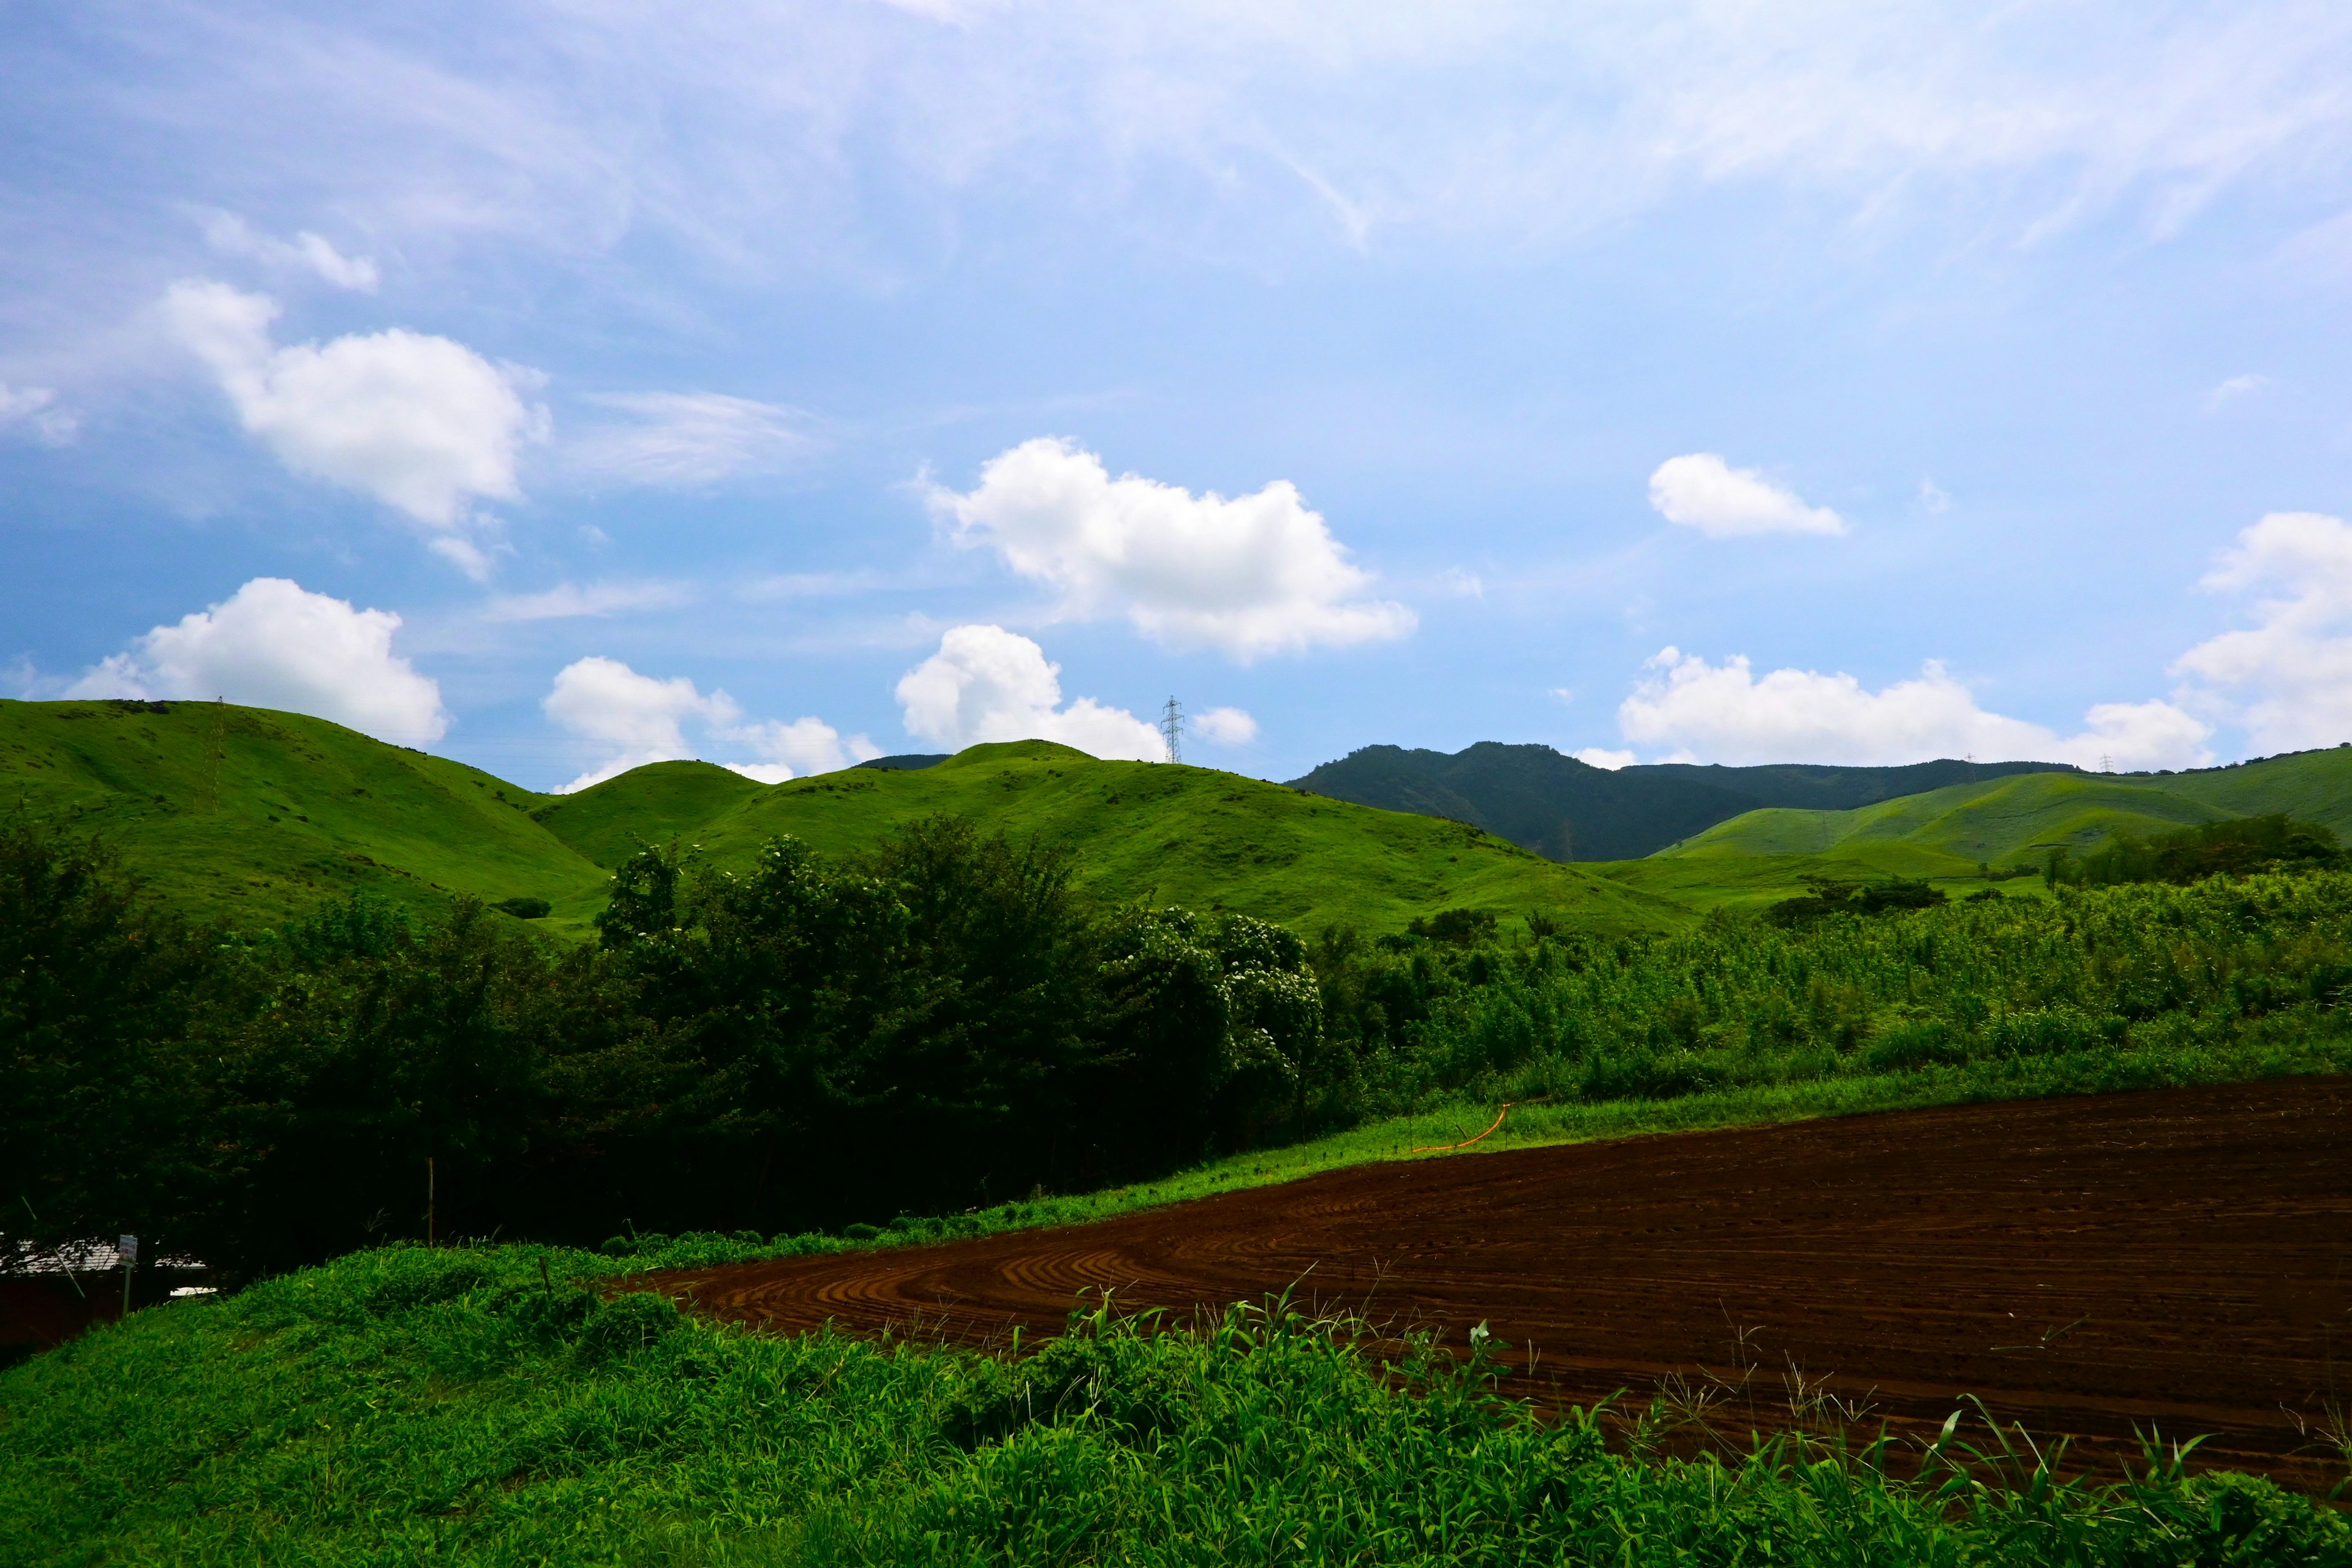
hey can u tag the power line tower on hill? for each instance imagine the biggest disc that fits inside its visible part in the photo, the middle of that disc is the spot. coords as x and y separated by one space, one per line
1171 728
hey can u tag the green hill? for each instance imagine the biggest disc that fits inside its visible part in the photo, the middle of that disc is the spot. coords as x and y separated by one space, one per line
249 816
1570 810
1144 830
2013 821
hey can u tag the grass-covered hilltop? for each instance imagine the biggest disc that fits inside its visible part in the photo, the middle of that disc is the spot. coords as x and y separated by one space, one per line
249 816
265 984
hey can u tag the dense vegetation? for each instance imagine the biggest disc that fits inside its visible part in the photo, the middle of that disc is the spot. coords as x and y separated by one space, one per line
409 1405
2231 847
2243 966
940 1023
946 1024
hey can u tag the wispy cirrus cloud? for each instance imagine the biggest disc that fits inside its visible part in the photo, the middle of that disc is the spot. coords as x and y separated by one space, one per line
689 440
570 601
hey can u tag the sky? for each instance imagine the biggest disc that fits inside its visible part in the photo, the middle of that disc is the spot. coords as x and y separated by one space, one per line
565 386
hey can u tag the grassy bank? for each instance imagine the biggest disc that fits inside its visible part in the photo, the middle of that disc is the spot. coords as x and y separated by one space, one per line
409 1405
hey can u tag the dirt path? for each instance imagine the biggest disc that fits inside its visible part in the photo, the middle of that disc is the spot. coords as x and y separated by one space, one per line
2177 1257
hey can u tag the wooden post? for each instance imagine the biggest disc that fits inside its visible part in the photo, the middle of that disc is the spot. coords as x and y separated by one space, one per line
128 1245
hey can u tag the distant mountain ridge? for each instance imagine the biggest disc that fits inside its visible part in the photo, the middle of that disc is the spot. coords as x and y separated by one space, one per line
1569 810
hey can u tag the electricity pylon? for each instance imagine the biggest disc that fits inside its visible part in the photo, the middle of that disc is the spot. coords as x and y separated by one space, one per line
1171 728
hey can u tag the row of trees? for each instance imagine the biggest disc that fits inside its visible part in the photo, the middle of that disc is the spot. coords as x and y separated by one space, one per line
942 1023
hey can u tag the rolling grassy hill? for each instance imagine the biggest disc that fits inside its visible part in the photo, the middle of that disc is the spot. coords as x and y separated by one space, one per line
1570 810
248 815
1141 830
2013 821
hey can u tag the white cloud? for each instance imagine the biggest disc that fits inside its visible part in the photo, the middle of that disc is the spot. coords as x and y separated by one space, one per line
1701 491
632 718
2237 386
1257 575
273 645
689 438
1462 583
803 746
1934 498
36 408
2288 680
1726 713
568 601
988 684
1601 757
425 425
1227 726
232 235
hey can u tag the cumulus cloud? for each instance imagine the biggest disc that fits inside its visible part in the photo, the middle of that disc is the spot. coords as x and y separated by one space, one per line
568 601
1701 491
274 644
232 235
36 410
423 424
988 684
630 719
1256 575
2288 678
1726 713
803 746
1227 726
688 438
1601 757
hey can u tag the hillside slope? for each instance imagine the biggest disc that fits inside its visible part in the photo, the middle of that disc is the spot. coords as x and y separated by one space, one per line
247 816
1569 810
1147 830
2014 821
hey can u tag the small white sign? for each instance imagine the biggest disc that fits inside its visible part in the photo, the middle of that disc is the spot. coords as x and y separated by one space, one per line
128 1245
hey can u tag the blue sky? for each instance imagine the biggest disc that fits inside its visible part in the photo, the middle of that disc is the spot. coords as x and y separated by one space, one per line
561 387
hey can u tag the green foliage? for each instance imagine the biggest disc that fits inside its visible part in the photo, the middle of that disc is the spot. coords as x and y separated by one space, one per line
1830 897
111 1011
407 1406
933 1027
2232 848
2180 973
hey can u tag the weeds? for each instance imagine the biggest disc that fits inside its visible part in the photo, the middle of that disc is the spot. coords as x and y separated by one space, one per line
411 1406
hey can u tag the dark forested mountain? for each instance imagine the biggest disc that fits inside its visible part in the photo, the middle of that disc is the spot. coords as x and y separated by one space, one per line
1569 810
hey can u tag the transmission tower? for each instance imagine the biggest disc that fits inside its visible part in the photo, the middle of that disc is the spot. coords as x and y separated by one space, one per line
1171 727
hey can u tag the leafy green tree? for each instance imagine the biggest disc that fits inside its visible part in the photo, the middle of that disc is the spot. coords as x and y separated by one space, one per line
112 1013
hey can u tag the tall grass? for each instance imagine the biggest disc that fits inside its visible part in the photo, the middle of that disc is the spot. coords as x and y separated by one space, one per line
2107 988
409 1405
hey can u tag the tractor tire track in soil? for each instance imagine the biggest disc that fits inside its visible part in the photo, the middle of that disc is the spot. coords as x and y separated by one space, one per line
2177 1259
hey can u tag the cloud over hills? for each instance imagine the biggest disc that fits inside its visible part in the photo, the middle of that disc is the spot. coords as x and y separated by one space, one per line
274 644
1256 575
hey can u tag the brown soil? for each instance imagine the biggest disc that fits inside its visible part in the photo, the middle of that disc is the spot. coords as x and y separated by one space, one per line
2178 1259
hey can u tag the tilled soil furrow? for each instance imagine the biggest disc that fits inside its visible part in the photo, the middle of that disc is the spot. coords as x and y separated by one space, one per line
2179 1259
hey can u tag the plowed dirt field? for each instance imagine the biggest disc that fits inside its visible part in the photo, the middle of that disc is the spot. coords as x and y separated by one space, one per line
2178 1258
